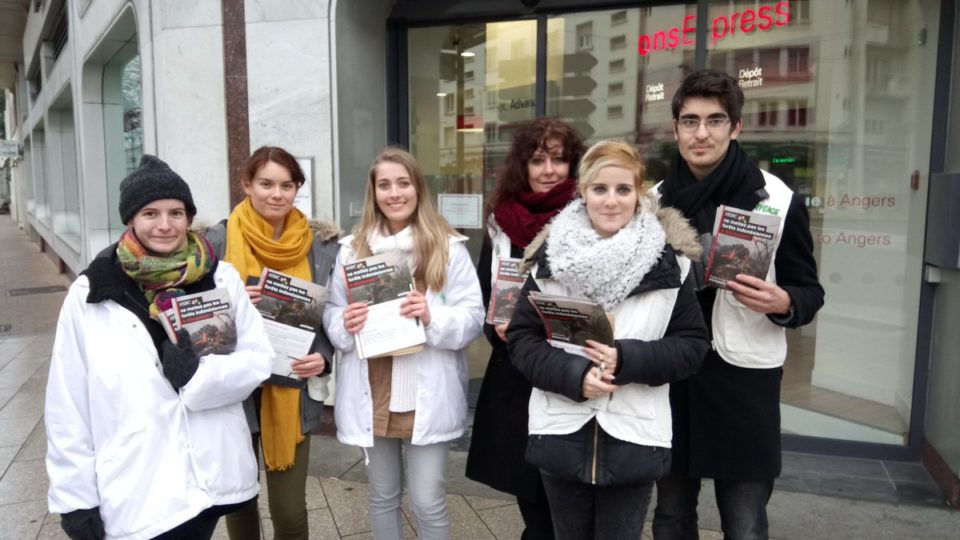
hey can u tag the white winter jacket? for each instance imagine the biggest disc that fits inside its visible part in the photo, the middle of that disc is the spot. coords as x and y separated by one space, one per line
118 435
456 319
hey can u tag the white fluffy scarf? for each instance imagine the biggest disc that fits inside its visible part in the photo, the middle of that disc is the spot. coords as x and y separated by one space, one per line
604 270
403 378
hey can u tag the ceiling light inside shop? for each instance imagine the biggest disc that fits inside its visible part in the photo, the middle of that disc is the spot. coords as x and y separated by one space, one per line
441 94
468 54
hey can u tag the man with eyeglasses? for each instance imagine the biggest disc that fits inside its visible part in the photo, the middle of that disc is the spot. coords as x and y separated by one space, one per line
726 418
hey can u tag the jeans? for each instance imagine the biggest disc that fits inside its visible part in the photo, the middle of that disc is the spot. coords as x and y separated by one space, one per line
742 505
286 497
585 511
426 483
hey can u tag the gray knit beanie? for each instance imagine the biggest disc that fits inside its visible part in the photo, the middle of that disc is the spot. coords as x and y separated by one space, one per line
151 181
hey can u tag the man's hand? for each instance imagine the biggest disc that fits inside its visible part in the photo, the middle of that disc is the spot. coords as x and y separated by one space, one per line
759 295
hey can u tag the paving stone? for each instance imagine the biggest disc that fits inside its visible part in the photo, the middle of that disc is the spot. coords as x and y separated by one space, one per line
504 522
483 503
36 445
26 403
7 453
348 504
24 481
22 519
14 432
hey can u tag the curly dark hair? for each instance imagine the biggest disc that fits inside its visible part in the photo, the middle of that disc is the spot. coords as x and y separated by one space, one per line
512 177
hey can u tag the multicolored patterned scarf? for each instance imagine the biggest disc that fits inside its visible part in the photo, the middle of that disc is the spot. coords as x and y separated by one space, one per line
163 278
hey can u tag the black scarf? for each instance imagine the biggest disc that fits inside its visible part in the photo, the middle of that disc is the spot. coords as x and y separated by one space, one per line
735 182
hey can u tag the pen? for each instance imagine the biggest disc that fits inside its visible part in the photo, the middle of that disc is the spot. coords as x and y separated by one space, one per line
416 319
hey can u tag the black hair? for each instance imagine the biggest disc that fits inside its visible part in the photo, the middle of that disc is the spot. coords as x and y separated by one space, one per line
710 83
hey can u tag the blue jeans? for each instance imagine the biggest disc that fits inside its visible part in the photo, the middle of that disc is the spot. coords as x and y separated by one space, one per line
585 511
742 505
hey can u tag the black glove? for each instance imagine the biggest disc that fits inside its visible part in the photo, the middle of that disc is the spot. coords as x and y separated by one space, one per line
179 361
83 524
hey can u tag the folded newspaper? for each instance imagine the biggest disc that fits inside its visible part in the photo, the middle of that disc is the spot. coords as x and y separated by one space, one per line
570 322
292 310
505 291
382 282
207 316
743 243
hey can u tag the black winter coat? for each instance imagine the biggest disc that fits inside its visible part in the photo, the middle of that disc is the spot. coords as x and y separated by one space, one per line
499 437
726 419
672 358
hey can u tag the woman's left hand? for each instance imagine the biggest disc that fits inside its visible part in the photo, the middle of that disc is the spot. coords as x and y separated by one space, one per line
415 305
604 355
308 366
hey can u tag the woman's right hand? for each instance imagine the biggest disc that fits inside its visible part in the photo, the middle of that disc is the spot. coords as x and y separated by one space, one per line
354 317
596 383
501 330
254 292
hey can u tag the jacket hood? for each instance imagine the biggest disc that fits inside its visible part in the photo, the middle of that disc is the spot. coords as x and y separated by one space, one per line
321 228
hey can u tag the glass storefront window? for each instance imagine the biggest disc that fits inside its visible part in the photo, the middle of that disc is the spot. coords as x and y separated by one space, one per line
470 86
66 219
122 124
838 101
613 91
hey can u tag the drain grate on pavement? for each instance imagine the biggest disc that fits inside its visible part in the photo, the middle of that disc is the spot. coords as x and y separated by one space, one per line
35 290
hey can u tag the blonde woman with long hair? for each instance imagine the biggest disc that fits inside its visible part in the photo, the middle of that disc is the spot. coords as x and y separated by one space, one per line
414 402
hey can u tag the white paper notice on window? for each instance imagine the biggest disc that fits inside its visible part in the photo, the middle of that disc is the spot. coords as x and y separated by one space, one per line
304 199
462 210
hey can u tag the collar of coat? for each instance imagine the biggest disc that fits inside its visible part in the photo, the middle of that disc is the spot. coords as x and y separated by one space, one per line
322 230
681 239
109 282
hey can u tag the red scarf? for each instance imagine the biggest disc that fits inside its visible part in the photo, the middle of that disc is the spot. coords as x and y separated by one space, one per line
522 218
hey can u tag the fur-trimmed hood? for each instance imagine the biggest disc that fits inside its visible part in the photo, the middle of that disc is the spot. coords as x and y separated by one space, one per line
322 229
680 236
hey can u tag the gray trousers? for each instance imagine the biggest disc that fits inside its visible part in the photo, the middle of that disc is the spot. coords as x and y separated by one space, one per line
426 483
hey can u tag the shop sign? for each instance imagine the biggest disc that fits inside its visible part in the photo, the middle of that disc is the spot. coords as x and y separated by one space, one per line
748 21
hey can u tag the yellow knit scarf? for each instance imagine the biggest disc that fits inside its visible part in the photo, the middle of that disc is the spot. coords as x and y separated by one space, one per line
250 247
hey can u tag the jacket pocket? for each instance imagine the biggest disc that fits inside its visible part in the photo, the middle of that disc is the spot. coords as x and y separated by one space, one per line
635 400
742 330
559 404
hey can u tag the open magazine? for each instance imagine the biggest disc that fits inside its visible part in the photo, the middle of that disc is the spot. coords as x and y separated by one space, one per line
505 291
743 243
570 322
207 316
292 310
382 281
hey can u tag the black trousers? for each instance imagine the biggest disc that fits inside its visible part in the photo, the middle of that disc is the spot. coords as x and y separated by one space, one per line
585 512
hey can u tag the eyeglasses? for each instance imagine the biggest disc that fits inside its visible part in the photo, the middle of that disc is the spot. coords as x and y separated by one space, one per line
714 123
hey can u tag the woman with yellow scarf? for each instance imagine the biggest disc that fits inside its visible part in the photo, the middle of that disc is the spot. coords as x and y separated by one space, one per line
266 231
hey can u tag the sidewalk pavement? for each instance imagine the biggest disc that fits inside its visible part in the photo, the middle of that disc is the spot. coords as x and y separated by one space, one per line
31 292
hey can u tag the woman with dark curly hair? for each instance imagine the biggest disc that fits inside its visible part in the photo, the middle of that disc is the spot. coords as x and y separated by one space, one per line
536 181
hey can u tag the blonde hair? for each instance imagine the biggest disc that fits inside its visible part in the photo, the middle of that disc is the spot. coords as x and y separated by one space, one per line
611 153
431 232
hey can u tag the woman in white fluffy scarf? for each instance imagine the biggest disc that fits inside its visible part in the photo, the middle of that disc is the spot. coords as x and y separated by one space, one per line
600 425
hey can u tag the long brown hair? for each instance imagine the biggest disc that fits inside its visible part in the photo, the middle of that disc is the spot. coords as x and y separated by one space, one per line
431 232
512 178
